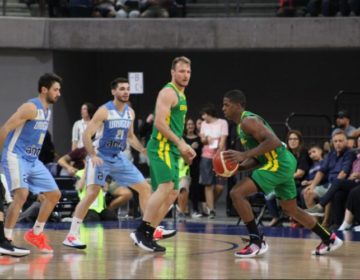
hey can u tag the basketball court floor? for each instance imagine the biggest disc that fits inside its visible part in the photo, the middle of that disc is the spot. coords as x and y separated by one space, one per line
202 249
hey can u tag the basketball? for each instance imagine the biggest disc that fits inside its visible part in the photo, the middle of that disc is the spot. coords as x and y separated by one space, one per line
223 168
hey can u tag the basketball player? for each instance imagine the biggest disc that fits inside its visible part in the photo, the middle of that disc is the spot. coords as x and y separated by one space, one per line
164 149
114 124
22 137
276 167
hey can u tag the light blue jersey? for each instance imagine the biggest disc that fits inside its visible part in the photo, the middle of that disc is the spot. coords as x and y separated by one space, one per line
110 143
112 138
26 141
20 162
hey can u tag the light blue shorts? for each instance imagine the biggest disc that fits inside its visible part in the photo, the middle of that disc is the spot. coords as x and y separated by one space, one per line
121 170
32 175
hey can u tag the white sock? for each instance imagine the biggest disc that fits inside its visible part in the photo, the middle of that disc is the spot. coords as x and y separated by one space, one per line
344 226
75 226
38 227
8 233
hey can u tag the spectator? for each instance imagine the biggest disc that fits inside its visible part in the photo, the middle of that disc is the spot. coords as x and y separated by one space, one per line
156 8
343 123
184 184
98 210
295 144
316 155
213 134
72 162
87 111
336 165
352 212
340 188
104 8
128 8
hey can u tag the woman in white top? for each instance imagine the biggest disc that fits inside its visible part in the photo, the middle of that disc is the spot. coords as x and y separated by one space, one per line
87 111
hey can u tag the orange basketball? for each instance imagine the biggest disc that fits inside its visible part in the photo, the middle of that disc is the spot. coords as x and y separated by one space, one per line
223 168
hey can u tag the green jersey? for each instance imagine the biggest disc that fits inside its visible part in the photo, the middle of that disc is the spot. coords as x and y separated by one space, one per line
175 120
270 159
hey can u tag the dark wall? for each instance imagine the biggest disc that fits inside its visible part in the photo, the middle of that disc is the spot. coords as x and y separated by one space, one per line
276 82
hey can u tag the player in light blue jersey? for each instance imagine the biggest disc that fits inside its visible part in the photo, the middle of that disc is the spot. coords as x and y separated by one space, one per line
21 139
113 125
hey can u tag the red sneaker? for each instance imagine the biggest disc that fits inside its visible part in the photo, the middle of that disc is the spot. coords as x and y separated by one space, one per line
162 233
39 241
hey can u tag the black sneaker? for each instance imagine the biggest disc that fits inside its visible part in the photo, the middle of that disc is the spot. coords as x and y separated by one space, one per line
6 248
147 244
212 214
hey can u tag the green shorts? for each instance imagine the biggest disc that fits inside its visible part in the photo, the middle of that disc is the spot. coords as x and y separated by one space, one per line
164 164
278 176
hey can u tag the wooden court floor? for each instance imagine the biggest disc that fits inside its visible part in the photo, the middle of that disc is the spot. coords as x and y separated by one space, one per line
112 255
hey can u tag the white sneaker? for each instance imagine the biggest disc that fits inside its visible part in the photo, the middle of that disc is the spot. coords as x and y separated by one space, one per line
74 242
162 233
252 250
323 249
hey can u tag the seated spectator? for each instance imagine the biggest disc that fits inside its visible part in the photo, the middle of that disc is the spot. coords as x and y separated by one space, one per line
156 8
98 210
343 122
104 8
31 209
343 185
295 144
316 156
128 8
336 165
72 162
352 211
184 184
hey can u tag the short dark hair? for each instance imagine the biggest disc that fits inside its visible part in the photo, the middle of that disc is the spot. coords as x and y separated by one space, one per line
236 96
208 109
178 59
47 80
117 81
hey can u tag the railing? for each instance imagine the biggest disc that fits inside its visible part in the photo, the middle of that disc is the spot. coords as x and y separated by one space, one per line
315 128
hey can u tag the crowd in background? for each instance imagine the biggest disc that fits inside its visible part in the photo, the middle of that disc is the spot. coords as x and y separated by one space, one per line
327 176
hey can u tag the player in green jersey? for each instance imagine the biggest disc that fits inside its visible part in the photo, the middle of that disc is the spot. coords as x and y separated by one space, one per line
164 148
275 170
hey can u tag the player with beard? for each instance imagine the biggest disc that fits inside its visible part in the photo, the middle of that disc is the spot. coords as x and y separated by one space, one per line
22 137
113 124
165 147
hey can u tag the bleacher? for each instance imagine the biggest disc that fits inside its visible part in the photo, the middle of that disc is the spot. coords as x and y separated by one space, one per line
232 8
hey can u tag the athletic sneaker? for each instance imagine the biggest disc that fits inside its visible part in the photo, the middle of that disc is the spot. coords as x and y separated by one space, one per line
162 233
212 214
195 215
316 211
6 248
145 243
323 249
74 242
252 250
39 241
